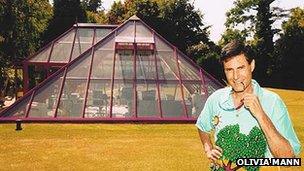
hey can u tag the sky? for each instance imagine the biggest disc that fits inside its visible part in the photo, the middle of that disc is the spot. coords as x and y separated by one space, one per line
214 12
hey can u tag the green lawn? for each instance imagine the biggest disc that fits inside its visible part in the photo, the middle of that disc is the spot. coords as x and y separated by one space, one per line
115 146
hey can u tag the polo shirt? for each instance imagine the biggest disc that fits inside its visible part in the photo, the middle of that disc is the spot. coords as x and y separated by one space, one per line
219 111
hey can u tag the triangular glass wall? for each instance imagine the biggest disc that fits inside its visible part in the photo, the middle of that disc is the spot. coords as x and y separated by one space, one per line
65 48
133 74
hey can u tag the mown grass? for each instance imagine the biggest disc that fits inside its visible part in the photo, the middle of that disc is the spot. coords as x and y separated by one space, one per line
116 146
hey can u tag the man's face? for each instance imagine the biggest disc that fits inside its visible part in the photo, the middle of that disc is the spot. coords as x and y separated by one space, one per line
238 72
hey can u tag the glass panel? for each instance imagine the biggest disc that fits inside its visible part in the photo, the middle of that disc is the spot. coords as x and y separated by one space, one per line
126 33
171 100
210 84
147 104
124 64
83 41
62 48
195 98
188 71
72 99
143 34
166 66
79 69
161 45
73 94
103 64
45 100
145 65
20 109
107 44
101 33
42 56
123 100
98 101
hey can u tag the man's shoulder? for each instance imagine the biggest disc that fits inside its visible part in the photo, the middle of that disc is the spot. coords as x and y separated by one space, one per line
270 95
220 93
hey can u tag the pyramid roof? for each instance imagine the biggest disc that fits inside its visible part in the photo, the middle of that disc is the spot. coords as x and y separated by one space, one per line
131 74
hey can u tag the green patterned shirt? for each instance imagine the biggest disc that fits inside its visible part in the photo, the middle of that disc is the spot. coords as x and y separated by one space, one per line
219 111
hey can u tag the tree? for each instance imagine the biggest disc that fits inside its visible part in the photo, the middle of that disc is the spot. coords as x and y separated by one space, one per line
237 145
289 52
185 23
256 18
66 13
97 17
232 34
92 5
22 23
94 11
116 13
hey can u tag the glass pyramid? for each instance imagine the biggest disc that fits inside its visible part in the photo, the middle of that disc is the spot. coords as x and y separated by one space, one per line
131 74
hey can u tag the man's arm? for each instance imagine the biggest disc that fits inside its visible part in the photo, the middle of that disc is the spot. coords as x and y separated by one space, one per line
278 145
213 153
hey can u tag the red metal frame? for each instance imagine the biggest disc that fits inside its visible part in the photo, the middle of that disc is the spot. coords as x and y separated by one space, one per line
132 119
112 80
30 104
47 45
49 64
89 76
64 76
134 74
203 83
157 80
53 75
180 83
177 77
185 56
101 120
51 51
141 81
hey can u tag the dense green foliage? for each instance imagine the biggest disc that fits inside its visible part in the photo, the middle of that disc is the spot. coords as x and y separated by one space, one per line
289 52
237 145
252 21
92 5
21 26
256 17
66 13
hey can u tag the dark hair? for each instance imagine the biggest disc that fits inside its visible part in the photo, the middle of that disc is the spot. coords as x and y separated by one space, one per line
235 48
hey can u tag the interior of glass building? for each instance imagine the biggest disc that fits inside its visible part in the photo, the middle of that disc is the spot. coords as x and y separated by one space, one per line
112 73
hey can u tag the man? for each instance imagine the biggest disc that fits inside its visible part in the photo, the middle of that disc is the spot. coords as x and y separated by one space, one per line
245 103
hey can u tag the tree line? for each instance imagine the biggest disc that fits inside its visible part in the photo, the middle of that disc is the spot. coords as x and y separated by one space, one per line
26 26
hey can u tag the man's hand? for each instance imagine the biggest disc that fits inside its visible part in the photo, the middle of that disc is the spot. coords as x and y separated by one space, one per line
214 154
252 103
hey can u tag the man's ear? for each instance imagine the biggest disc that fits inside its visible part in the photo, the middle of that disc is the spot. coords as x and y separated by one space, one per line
252 65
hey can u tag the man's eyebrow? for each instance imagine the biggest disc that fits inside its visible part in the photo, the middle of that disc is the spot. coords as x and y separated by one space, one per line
242 66
228 68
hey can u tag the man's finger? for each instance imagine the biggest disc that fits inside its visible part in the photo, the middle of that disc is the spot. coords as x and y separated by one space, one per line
218 148
212 158
216 154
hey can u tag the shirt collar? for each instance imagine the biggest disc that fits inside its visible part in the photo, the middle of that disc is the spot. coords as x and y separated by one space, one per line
226 101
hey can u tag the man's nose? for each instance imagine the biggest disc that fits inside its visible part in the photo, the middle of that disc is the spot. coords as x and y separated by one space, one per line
235 75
